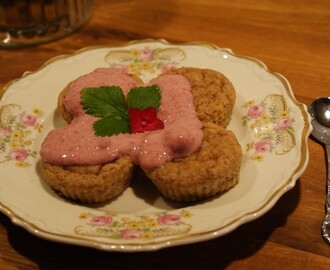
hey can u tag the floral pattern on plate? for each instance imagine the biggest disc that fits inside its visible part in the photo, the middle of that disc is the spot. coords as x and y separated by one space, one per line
16 134
143 227
272 125
146 60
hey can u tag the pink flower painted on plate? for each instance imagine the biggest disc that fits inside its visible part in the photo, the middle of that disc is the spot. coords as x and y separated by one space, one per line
146 54
262 146
167 67
255 111
4 132
18 154
130 234
272 126
168 219
282 123
101 220
29 120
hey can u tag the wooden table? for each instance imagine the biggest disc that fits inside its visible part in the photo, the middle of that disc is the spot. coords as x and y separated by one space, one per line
292 38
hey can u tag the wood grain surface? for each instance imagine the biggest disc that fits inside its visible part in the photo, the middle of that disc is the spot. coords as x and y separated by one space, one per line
291 38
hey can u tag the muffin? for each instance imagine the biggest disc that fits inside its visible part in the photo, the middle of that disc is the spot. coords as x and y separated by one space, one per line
214 168
89 183
214 95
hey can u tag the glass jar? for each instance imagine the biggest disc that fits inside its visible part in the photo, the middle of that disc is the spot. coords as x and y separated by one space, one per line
29 22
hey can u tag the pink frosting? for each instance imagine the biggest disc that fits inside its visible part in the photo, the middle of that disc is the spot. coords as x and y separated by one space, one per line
76 143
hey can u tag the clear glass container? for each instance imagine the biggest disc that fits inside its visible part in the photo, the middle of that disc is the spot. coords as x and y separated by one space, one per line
29 22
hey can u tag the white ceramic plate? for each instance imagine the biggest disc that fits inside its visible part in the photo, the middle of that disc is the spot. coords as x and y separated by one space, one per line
270 124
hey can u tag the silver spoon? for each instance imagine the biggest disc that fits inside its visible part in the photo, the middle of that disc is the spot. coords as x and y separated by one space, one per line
320 113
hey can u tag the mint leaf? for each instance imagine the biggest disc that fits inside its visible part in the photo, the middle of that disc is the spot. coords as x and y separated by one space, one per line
144 97
104 101
111 126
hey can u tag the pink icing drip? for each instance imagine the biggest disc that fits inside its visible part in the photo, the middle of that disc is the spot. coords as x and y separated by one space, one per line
76 144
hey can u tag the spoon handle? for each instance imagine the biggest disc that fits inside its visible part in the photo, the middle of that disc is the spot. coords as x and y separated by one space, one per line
326 223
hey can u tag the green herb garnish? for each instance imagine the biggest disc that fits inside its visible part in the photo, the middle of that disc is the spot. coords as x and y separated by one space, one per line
104 101
110 126
144 97
109 104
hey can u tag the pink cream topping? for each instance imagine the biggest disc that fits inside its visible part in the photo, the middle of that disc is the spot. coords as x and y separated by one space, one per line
77 144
